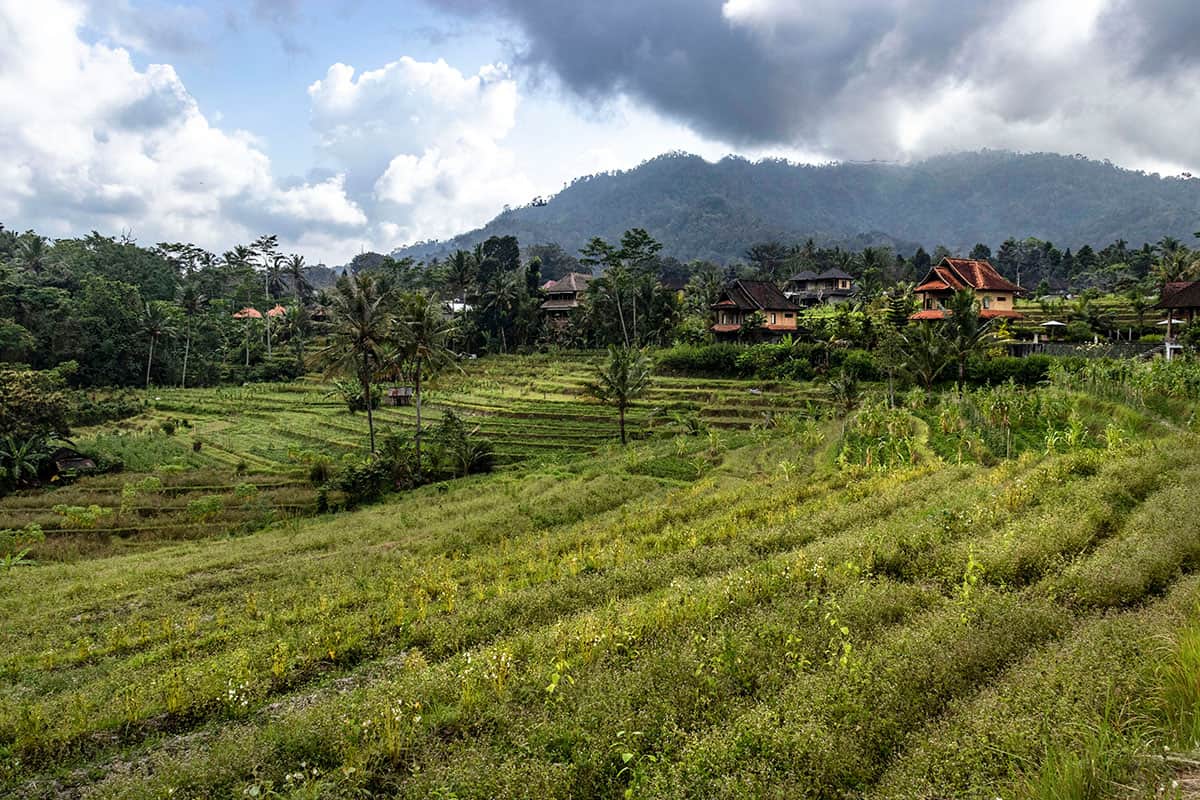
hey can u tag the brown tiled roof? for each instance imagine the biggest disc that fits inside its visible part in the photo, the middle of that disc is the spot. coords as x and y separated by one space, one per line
755 296
571 282
1181 294
980 274
966 273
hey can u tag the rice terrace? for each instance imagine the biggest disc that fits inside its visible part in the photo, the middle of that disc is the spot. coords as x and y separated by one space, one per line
599 400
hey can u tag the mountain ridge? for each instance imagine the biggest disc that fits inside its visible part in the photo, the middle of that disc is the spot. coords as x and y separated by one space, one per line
714 211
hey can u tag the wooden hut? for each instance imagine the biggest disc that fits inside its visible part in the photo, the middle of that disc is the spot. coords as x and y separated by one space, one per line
398 396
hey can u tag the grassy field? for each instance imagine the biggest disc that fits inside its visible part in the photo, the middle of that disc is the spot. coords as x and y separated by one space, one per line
809 609
256 443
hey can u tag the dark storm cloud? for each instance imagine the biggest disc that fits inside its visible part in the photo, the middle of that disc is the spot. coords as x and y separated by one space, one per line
1164 34
742 82
834 75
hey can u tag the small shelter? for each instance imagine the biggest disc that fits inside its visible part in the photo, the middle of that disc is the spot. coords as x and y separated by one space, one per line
1180 298
66 460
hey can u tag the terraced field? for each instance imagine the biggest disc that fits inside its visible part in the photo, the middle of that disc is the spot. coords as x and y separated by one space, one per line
769 625
255 444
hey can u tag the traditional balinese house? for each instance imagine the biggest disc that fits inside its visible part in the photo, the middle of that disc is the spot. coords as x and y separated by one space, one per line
563 296
740 300
809 289
995 293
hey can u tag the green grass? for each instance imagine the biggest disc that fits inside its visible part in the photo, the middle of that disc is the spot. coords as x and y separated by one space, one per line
732 614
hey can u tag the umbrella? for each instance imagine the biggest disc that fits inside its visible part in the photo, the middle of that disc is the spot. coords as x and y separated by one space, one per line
1172 321
1054 324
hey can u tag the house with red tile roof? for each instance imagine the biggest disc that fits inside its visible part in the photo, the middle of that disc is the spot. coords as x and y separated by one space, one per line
741 299
995 293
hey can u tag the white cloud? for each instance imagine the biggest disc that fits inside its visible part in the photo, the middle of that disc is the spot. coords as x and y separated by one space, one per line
422 141
99 143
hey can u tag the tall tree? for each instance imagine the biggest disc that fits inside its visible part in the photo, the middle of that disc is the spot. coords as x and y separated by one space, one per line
296 272
191 302
359 323
423 332
156 324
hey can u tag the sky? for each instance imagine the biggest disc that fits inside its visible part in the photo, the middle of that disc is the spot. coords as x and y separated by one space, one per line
352 125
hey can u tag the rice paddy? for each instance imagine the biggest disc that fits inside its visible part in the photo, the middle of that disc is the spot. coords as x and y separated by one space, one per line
734 612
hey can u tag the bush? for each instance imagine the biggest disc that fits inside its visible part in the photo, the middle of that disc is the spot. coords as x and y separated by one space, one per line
713 360
364 482
87 409
1028 371
862 364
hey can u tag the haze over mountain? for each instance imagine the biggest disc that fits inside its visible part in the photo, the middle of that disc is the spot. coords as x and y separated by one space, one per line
699 209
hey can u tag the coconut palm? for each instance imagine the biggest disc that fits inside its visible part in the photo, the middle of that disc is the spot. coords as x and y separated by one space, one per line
296 272
156 323
501 297
191 302
625 378
423 333
359 323
32 253
965 331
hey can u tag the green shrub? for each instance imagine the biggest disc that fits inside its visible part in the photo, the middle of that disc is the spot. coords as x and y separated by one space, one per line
712 360
1028 371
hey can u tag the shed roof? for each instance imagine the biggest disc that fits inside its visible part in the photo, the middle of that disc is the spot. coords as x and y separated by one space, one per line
1180 294
835 273
571 282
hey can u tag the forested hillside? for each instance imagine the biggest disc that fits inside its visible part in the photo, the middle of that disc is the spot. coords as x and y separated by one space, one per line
716 211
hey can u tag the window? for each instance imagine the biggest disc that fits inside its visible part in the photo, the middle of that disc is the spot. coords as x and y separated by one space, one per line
987 302
772 318
788 315
1000 298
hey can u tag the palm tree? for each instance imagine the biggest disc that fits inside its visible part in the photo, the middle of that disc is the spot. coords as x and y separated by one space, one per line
191 302
966 332
156 323
297 271
423 334
625 378
359 324
924 353
501 296
32 253
276 285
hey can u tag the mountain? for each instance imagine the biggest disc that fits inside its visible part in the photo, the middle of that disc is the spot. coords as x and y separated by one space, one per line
712 211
